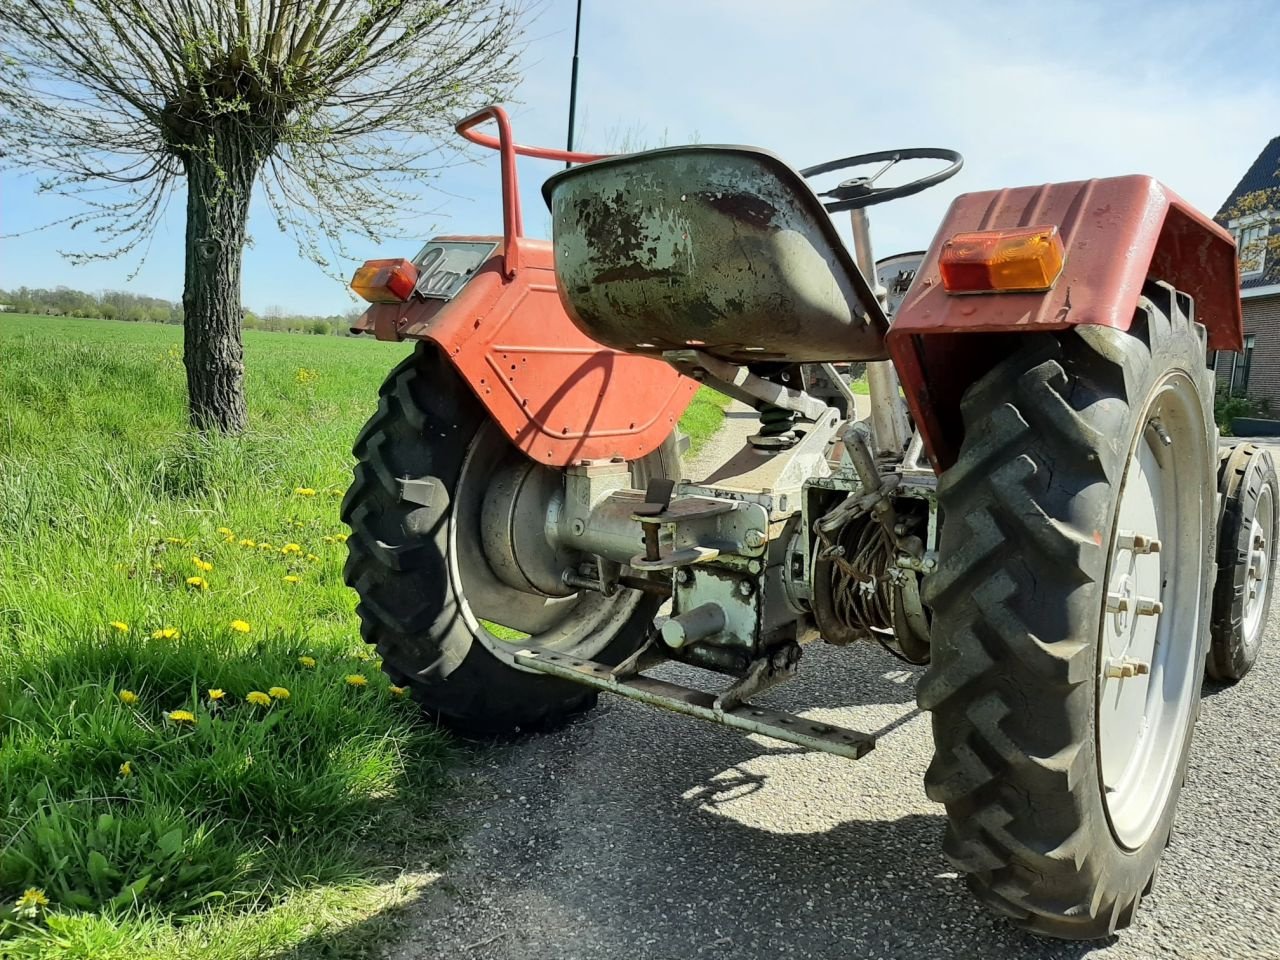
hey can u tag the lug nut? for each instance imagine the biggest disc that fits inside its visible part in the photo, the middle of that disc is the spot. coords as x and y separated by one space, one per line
754 538
1148 607
1137 542
1117 603
1121 668
1156 424
1259 541
744 588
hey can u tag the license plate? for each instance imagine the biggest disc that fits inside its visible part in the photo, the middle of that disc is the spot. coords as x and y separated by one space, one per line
445 266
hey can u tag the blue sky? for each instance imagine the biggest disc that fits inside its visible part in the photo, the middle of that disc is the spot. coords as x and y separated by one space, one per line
1028 91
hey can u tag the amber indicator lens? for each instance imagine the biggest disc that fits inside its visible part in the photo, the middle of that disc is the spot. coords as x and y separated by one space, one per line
385 281
1002 261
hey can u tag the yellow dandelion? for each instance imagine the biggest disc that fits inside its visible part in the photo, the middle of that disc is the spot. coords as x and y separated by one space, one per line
304 491
127 697
258 698
240 626
119 625
291 578
312 557
226 531
200 583
357 680
177 540
335 492
215 693
126 769
340 537
166 633
181 716
247 543
265 546
290 548
204 566
398 691
31 902
279 693
308 662
327 539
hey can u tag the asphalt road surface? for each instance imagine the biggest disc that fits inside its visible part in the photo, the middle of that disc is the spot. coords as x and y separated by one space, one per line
635 834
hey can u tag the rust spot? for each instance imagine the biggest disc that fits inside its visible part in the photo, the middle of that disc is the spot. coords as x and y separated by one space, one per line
747 207
611 226
634 271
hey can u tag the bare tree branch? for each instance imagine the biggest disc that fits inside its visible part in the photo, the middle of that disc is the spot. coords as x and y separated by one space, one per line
338 94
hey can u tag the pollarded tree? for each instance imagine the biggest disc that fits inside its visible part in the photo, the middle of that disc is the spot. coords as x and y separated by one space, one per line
327 104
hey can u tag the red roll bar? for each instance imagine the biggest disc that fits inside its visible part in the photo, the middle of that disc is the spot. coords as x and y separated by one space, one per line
504 143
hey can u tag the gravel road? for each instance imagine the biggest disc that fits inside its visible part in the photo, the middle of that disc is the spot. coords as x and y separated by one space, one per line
634 834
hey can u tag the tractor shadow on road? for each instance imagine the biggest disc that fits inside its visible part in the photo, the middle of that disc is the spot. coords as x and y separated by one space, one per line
635 834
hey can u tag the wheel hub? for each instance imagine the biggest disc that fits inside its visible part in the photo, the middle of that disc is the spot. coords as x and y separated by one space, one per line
493 493
1258 574
521 499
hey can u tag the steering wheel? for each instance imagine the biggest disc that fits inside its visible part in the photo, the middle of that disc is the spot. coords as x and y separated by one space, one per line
862 192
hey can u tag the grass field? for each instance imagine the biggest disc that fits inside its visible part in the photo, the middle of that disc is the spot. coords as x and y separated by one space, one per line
199 757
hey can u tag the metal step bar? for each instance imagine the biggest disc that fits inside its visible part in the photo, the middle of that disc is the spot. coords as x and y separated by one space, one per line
811 734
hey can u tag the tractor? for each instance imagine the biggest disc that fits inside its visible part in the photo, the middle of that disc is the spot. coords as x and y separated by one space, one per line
1035 505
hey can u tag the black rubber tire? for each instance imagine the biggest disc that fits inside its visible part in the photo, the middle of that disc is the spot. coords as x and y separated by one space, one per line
1028 515
1243 472
397 563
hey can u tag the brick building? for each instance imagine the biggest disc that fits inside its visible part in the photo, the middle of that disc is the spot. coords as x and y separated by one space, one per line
1255 373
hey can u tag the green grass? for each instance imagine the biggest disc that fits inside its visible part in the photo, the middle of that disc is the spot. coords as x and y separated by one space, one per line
255 830
703 418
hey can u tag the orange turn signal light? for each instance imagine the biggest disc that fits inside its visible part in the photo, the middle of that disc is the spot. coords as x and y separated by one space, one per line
385 281
1002 261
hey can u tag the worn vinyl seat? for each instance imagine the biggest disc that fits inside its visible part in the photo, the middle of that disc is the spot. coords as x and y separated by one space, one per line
722 248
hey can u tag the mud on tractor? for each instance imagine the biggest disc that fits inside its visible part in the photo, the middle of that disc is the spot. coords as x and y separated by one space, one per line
1035 507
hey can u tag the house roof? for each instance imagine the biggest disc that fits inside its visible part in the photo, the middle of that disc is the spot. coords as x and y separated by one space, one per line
1261 175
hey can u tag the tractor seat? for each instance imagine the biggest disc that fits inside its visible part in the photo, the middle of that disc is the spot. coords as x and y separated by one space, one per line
722 248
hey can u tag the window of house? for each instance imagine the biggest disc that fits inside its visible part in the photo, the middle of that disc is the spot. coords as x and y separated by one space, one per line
1240 368
1251 241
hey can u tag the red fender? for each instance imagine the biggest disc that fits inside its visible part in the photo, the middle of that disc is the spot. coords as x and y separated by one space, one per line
1117 232
560 396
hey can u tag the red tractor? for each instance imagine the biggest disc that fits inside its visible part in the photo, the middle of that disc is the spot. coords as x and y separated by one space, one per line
1035 507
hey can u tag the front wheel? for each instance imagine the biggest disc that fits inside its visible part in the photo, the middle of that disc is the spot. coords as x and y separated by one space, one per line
449 560
1248 540
1071 612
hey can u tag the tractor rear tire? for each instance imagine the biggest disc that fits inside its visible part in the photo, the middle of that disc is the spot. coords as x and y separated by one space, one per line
1027 617
1246 568
403 563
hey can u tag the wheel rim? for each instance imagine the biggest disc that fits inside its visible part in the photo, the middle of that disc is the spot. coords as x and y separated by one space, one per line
1258 572
1152 613
581 624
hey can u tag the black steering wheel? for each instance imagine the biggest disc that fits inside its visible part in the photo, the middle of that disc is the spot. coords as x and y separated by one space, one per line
862 192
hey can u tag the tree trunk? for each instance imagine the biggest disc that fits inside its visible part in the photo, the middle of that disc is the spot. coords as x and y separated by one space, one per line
220 177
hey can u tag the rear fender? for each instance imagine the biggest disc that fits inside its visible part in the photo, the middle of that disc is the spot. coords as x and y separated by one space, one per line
558 395
1117 232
